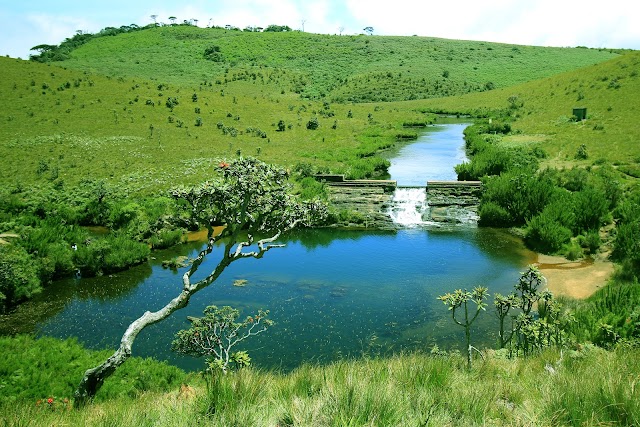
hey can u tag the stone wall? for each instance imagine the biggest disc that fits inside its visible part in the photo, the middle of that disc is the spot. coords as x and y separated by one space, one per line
370 203
454 201
370 200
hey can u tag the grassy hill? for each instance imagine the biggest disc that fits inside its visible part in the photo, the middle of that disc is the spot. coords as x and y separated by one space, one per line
332 68
146 109
542 110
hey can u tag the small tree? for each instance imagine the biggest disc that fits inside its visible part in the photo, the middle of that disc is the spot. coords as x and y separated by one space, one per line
250 198
215 335
460 298
368 30
503 306
281 125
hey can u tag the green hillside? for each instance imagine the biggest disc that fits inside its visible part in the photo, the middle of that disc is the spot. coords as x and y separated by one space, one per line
542 110
96 139
147 109
333 68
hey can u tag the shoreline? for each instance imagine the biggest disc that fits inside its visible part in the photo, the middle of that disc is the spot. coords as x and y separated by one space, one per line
575 279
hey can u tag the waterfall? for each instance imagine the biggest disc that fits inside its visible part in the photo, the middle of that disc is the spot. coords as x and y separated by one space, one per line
409 206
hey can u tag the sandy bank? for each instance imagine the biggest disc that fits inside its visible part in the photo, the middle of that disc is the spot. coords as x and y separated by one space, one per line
576 279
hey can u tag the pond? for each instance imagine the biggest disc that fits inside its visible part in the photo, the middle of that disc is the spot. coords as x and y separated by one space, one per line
332 293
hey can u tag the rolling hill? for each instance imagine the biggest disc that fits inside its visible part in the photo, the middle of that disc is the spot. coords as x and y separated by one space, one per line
146 109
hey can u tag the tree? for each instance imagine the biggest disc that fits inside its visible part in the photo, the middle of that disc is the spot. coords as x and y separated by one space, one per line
460 298
173 20
503 306
154 18
215 335
368 30
248 197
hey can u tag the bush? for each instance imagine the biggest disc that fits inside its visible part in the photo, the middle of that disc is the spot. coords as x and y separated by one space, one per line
313 124
122 214
590 209
112 253
38 368
368 167
311 189
18 276
522 195
493 215
166 238
572 251
545 234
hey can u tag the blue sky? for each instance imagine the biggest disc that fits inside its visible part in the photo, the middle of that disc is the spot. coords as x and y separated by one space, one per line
591 23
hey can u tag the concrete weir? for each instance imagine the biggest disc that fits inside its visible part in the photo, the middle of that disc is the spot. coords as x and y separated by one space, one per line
373 200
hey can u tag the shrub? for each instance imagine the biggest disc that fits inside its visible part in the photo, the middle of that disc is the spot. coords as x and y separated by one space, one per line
590 209
112 253
492 214
51 367
122 214
18 276
572 251
212 53
311 189
522 195
166 238
545 234
582 154
313 124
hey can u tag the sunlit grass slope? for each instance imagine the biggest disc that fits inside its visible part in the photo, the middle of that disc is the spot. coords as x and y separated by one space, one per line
146 110
145 135
335 68
610 91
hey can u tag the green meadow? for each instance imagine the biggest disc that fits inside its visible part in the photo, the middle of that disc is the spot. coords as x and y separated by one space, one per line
94 141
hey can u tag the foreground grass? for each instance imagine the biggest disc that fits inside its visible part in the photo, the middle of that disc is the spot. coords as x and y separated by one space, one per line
581 388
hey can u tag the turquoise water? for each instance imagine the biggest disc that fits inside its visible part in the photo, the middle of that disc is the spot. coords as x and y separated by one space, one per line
332 293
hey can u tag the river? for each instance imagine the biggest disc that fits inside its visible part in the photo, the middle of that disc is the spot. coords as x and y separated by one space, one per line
332 293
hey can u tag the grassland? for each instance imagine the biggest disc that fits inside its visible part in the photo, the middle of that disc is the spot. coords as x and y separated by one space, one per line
109 112
584 387
331 68
544 108
103 113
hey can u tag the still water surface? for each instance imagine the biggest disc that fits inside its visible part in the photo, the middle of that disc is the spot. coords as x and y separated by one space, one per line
332 293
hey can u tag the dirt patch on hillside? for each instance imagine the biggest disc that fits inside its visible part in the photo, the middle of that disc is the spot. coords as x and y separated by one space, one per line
576 279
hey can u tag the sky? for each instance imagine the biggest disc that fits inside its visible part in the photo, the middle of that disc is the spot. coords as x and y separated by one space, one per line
591 23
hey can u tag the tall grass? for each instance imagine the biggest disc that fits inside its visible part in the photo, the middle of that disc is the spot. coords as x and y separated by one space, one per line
578 388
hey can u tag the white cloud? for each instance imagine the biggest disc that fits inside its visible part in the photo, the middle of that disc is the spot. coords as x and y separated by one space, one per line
538 22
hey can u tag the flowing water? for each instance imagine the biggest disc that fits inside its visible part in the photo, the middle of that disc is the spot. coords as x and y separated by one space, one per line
430 158
409 207
332 293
